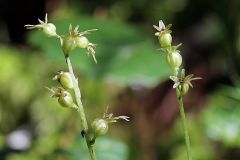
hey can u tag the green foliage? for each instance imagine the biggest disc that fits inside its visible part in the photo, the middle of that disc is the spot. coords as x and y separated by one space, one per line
201 147
221 119
18 81
106 148
23 157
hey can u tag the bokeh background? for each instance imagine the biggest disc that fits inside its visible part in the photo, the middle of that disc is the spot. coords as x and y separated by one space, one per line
131 77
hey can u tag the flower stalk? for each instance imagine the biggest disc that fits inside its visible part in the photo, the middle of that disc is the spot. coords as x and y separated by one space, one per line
181 82
67 99
184 123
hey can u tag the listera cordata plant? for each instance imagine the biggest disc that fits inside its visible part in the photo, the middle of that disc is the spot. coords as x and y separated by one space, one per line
68 93
182 83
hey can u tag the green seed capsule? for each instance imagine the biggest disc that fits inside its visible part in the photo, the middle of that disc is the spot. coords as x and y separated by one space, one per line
184 88
68 44
174 59
66 80
82 42
49 29
165 39
65 100
100 127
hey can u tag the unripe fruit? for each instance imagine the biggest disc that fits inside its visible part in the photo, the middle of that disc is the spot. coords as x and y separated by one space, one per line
82 42
184 88
66 100
174 59
68 44
49 29
165 39
66 80
99 126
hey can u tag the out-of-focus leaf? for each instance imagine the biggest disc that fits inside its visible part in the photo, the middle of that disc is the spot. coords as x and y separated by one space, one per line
16 87
11 64
201 147
23 156
221 119
106 148
138 64
199 152
124 54
2 143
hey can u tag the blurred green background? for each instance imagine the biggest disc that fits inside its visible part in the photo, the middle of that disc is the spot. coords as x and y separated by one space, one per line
131 77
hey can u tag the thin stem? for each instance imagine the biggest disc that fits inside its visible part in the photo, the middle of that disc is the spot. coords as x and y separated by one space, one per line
81 110
184 123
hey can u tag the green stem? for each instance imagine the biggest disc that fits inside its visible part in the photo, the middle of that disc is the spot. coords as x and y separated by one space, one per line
81 110
185 128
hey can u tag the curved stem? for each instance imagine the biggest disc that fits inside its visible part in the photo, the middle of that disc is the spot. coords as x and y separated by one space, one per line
81 110
184 123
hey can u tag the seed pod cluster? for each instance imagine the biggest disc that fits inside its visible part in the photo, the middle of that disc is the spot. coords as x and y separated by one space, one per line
69 42
174 59
64 96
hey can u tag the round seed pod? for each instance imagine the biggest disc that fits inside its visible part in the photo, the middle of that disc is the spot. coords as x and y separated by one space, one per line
99 126
68 44
165 39
184 88
66 100
174 59
49 29
82 42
